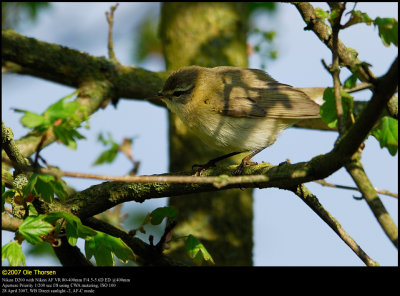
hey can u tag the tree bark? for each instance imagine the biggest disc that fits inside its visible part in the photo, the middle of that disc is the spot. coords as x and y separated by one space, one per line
209 35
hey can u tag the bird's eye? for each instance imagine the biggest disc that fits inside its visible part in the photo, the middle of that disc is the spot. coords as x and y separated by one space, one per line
178 93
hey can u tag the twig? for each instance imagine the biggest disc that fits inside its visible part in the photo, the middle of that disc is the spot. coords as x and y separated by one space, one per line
312 201
356 171
323 32
335 71
110 20
384 192
217 181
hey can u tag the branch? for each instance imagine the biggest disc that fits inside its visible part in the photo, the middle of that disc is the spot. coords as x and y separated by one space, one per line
10 223
323 32
356 170
110 20
147 254
335 70
310 199
11 149
72 67
384 192
70 255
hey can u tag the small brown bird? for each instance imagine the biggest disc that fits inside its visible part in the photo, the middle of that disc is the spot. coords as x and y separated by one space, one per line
235 109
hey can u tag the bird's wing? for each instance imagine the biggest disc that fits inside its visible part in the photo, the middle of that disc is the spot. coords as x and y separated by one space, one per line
273 100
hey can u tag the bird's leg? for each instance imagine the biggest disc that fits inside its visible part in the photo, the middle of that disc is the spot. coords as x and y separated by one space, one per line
211 163
246 161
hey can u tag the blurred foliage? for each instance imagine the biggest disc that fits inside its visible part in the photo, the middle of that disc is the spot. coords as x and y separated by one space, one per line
262 6
148 42
12 13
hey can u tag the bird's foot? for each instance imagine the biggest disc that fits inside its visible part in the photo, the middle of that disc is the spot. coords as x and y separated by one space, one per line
202 167
241 166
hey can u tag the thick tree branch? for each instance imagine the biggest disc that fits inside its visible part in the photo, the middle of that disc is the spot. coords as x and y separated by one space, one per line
73 68
70 255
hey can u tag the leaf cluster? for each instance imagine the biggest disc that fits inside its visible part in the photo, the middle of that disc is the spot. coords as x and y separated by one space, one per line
61 117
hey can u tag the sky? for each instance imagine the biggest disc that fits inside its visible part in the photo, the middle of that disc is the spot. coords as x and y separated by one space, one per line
286 231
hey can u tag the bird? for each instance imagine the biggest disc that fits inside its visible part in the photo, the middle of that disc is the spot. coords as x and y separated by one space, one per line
234 109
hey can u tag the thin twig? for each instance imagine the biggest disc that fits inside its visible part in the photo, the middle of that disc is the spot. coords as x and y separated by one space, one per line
312 201
335 70
110 20
217 181
384 192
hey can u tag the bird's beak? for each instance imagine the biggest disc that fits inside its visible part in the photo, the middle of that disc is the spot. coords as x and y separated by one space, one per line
154 98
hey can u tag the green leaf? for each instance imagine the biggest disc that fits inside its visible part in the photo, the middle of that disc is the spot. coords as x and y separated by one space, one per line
319 12
328 108
72 233
6 195
74 228
158 215
45 186
61 116
388 30
102 245
358 17
45 190
32 120
29 188
13 253
34 227
107 156
85 232
62 109
196 250
103 256
59 189
387 134
350 82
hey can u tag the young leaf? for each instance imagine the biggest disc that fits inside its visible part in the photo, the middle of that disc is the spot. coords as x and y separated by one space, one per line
320 13
102 245
117 246
159 214
328 108
45 186
29 188
196 250
44 189
350 82
6 196
13 253
34 227
107 156
103 256
72 233
388 30
74 228
32 120
387 134
59 189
